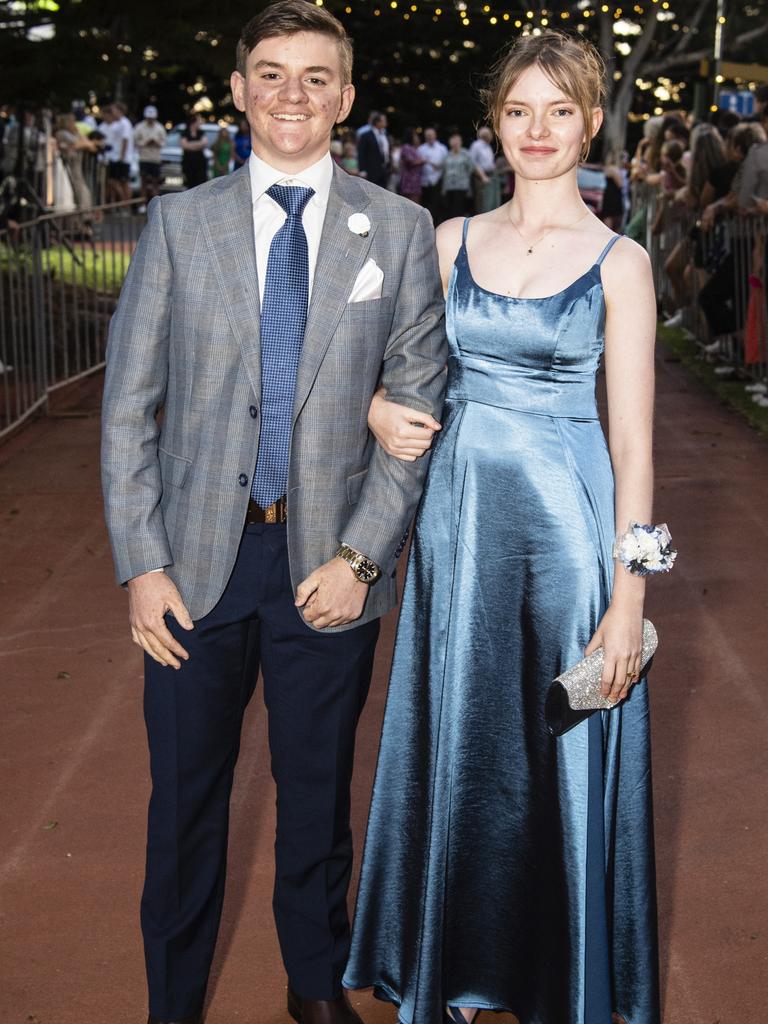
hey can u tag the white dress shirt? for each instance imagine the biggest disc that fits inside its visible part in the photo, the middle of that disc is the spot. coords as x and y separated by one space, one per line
383 141
269 216
482 155
434 154
124 134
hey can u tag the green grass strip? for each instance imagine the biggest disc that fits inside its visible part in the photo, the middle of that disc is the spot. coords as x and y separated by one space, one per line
730 392
100 269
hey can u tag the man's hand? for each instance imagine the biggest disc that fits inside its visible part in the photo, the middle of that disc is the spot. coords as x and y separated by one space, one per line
331 595
150 596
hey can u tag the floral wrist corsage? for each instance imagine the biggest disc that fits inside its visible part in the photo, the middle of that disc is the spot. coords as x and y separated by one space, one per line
645 550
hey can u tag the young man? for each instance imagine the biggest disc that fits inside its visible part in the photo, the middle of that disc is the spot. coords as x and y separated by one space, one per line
373 152
259 525
149 138
118 133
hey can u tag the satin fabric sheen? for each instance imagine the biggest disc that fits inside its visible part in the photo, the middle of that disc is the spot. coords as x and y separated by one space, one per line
502 868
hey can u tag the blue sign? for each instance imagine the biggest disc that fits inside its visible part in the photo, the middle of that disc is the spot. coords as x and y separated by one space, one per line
742 102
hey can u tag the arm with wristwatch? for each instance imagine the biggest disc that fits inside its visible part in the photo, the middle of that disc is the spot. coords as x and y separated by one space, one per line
363 568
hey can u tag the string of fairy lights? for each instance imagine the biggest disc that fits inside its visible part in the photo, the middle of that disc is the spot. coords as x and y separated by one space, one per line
527 20
627 21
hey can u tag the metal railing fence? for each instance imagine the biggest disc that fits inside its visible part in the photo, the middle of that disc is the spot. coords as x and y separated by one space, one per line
60 277
717 277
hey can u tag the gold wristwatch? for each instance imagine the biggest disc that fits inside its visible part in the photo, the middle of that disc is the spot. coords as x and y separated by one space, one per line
364 569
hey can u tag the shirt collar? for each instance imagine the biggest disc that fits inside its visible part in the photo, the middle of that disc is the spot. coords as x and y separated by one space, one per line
317 177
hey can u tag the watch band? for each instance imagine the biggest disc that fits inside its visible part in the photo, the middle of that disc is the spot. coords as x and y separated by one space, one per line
365 570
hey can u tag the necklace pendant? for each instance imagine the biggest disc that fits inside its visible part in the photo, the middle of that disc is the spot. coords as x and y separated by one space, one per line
530 251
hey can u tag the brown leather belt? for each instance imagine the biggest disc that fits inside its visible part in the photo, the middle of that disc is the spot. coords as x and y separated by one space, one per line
277 512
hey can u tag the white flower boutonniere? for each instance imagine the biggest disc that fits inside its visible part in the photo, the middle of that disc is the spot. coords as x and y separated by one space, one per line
359 224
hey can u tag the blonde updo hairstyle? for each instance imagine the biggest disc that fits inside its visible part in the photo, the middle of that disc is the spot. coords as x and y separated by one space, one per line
572 64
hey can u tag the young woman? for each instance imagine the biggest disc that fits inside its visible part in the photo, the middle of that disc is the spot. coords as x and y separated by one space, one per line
222 153
72 145
411 163
708 157
505 869
194 166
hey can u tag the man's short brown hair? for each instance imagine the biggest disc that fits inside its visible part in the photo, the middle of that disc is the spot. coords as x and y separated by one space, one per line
286 18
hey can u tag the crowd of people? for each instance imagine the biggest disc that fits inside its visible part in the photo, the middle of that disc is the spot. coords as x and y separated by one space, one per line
697 189
697 166
73 161
449 179
683 171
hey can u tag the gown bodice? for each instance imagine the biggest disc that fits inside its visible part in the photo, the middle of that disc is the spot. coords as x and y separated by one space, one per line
537 355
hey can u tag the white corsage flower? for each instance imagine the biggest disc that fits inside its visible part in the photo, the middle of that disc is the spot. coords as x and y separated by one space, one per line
645 550
359 224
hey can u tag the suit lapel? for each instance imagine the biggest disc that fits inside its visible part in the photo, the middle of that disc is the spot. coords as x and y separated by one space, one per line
340 258
228 224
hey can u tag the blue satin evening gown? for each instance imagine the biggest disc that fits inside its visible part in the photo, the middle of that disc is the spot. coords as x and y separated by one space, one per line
505 869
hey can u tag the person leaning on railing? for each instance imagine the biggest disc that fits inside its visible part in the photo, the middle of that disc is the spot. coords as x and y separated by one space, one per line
707 158
645 175
740 141
753 201
723 297
72 145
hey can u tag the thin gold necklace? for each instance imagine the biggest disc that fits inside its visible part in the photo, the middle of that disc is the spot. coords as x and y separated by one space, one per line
530 247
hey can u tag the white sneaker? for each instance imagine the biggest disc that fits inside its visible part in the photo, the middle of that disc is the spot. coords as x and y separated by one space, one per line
5 368
725 371
676 320
758 388
712 348
762 401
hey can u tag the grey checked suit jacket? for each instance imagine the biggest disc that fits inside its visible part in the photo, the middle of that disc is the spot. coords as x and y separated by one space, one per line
185 340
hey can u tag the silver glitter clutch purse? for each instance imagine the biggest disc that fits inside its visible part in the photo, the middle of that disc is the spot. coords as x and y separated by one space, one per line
575 694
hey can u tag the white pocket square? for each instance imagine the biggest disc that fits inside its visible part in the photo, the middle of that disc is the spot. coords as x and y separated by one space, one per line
369 283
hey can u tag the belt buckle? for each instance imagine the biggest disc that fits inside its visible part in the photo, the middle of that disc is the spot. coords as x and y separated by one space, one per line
276 513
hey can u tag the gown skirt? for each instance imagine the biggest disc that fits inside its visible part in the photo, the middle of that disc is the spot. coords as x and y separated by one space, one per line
505 869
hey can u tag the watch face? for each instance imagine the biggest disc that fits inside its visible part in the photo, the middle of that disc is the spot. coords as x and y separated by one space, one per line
366 572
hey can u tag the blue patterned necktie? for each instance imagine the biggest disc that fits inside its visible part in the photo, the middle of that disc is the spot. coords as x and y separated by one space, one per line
283 321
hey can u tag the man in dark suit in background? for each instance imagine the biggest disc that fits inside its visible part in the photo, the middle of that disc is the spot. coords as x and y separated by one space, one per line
373 151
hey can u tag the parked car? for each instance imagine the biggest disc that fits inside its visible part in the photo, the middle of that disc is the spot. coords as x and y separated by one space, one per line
173 179
591 181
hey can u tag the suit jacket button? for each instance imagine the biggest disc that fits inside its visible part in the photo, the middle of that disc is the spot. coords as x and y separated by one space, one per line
242 479
253 411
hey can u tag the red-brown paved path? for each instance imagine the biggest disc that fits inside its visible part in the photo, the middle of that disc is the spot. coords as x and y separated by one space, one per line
72 745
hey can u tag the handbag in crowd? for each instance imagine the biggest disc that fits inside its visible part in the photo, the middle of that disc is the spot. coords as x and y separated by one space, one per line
575 695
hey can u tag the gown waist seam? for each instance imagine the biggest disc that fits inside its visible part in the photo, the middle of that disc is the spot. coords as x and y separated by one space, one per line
547 414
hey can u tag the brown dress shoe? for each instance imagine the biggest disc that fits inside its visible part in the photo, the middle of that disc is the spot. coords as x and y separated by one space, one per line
321 1011
194 1019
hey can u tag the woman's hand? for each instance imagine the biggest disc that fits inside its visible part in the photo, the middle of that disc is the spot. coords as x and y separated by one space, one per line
403 432
620 634
708 215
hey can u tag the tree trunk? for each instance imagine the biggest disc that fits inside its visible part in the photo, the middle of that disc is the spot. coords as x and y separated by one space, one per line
619 99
